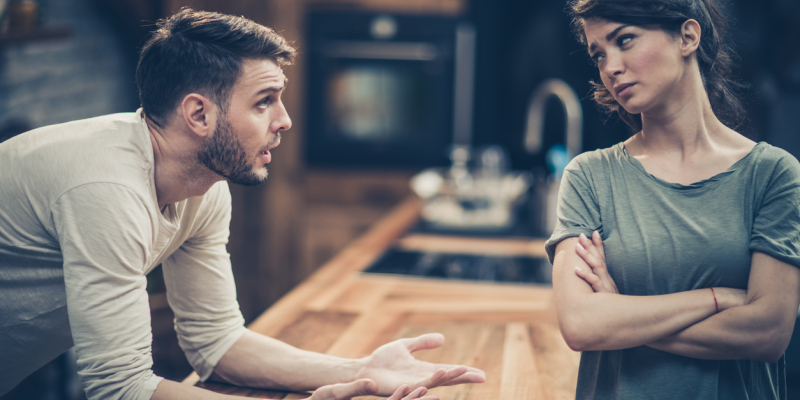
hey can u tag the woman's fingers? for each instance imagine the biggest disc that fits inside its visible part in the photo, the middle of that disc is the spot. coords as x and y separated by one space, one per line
598 243
581 250
598 267
590 253
590 278
590 248
587 244
592 260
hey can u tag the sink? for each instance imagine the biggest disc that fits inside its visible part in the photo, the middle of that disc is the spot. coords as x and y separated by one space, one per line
471 267
522 226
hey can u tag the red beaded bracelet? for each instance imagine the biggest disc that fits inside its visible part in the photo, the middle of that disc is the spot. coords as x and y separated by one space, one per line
716 305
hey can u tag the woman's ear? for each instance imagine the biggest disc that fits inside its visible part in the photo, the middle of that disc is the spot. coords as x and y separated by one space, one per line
690 37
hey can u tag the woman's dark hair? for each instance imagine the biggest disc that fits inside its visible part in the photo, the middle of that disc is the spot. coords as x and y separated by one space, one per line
715 56
201 52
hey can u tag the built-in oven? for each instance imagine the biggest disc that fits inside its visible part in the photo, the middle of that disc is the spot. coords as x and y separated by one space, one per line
386 90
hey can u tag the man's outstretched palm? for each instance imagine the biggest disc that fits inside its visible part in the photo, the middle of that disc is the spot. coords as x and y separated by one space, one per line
392 366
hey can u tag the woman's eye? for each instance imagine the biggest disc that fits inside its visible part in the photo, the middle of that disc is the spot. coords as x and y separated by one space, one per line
597 57
624 39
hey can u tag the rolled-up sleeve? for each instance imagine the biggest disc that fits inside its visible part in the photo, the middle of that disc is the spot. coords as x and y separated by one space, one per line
105 238
577 210
776 224
200 286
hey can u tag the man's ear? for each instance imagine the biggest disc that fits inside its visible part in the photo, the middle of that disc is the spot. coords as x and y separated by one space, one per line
690 37
199 114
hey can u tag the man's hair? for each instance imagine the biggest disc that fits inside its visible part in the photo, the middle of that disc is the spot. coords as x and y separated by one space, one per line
201 52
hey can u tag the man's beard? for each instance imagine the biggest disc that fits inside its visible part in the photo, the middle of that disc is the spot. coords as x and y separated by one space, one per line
224 154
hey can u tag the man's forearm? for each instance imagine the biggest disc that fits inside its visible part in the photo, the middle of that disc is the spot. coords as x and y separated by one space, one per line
259 361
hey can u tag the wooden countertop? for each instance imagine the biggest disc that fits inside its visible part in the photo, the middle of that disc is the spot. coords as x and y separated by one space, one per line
510 331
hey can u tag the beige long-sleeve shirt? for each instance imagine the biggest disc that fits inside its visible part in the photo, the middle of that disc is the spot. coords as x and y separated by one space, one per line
80 227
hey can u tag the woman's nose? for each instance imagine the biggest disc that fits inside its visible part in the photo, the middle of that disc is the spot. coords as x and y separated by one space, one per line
613 65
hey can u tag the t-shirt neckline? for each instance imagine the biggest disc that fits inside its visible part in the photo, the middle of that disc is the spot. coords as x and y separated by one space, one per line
696 185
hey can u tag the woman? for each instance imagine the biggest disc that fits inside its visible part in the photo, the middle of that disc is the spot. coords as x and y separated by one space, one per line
699 227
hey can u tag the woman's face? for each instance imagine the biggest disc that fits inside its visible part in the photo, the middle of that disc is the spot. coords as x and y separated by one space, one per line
642 67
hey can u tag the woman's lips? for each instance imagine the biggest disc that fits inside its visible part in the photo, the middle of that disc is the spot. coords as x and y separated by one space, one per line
623 89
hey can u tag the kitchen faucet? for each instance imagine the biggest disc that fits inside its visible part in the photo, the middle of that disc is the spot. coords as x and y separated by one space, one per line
534 125
546 191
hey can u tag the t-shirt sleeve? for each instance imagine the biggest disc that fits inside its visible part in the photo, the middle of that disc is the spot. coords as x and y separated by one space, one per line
200 286
577 210
776 226
105 239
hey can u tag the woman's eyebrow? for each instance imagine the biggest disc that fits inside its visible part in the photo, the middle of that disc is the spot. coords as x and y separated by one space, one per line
610 36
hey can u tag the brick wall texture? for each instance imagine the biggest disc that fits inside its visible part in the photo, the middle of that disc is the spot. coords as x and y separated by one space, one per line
85 75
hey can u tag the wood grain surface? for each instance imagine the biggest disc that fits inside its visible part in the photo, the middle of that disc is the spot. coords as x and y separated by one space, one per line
510 331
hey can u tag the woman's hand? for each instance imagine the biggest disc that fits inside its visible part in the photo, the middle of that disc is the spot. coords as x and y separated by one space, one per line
366 387
592 252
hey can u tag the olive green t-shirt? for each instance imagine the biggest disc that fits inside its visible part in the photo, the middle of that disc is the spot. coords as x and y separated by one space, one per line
662 237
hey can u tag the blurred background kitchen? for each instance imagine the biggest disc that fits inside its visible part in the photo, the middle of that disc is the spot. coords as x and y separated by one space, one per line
467 96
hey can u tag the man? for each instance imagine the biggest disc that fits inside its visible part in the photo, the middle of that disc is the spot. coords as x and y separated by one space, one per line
87 208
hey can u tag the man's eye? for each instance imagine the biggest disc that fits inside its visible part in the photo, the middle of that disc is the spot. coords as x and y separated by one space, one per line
265 102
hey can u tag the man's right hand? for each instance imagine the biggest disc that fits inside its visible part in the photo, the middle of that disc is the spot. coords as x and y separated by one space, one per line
366 387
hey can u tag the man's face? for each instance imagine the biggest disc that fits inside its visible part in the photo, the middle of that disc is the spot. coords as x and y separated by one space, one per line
238 150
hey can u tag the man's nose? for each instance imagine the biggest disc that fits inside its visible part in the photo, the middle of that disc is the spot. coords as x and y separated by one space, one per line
283 122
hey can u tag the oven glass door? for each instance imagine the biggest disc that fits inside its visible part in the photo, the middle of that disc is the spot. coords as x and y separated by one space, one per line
379 103
382 103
